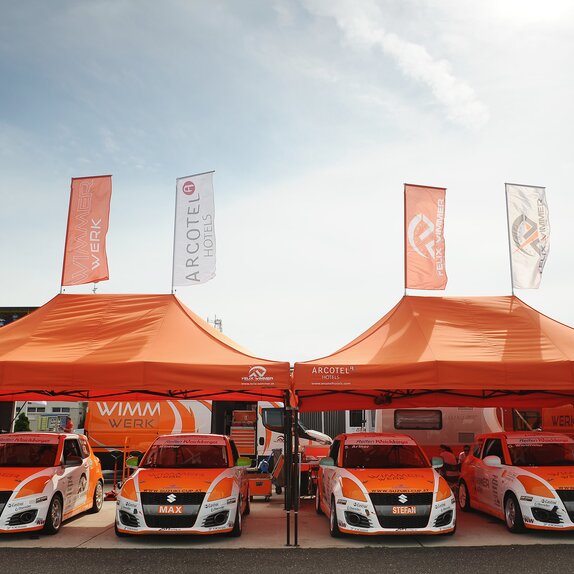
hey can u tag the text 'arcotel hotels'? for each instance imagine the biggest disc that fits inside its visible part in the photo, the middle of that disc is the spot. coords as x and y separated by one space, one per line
439 242
332 373
199 232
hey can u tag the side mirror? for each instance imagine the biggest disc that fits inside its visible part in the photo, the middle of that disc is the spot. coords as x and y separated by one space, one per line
132 461
243 461
73 460
327 461
437 462
492 460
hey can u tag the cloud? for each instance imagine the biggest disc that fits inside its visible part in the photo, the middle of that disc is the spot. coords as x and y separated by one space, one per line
362 26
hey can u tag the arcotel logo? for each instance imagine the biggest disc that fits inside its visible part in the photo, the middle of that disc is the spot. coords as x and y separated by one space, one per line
188 187
420 233
171 498
402 498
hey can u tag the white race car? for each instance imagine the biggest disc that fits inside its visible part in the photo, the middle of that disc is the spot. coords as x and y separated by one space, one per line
524 478
375 483
186 484
46 478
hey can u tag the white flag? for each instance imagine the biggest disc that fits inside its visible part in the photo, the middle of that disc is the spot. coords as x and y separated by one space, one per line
194 236
529 232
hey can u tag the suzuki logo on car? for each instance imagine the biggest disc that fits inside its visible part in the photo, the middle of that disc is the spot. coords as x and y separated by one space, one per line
402 498
171 498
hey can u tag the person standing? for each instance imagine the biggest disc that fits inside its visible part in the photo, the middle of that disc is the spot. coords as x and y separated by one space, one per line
464 453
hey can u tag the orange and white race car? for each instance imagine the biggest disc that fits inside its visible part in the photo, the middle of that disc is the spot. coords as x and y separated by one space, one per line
46 478
186 484
375 483
524 478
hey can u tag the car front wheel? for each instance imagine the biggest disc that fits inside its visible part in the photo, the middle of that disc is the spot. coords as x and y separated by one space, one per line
333 523
98 498
463 497
513 514
54 516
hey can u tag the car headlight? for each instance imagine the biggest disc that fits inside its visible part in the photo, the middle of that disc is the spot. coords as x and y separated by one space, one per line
221 490
352 490
444 490
533 486
35 486
129 490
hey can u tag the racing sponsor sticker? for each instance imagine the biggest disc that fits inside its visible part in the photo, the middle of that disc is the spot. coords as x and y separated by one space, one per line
359 440
527 440
190 440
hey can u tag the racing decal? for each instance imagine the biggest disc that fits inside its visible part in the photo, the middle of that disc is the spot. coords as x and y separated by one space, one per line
28 438
538 439
190 440
366 440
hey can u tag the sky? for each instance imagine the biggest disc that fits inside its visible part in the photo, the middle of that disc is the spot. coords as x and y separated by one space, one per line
313 114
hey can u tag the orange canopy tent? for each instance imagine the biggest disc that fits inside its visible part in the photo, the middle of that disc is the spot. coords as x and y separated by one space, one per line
87 347
428 351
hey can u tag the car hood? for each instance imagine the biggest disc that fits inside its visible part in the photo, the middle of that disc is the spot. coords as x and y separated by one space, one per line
559 477
177 480
12 478
396 480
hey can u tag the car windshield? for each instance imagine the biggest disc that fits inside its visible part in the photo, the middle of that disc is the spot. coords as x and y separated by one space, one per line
186 456
545 454
384 456
27 455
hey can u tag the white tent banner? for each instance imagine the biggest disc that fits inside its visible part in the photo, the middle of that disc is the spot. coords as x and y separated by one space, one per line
194 234
529 234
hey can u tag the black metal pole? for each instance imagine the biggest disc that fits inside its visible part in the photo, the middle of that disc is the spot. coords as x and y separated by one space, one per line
296 478
287 463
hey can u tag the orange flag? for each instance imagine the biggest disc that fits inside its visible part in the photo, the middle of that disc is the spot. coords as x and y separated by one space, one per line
424 240
85 259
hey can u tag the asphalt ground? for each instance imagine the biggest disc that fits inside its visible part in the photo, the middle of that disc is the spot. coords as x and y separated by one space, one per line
493 560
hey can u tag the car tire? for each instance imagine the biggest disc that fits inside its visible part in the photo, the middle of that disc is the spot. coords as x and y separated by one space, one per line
98 498
247 510
513 514
118 533
333 524
55 515
318 508
237 525
464 497
278 490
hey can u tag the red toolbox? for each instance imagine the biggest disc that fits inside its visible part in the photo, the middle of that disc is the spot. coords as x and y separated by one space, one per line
260 485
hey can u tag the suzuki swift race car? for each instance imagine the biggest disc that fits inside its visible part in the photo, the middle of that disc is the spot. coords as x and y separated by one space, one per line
186 484
375 483
46 478
524 478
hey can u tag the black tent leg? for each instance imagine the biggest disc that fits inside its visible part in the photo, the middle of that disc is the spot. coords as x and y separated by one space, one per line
296 478
287 463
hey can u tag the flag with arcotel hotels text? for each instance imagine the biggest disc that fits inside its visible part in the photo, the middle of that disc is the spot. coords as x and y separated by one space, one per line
424 239
194 235
85 258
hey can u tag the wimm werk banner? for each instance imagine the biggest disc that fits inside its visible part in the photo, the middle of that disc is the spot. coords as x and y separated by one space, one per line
194 235
529 234
424 237
85 259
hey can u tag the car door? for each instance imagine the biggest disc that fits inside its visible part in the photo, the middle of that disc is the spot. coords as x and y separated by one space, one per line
74 479
488 477
470 467
329 474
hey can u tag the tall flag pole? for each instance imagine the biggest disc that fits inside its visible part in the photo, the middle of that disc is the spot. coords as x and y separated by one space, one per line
528 234
194 231
424 237
85 258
